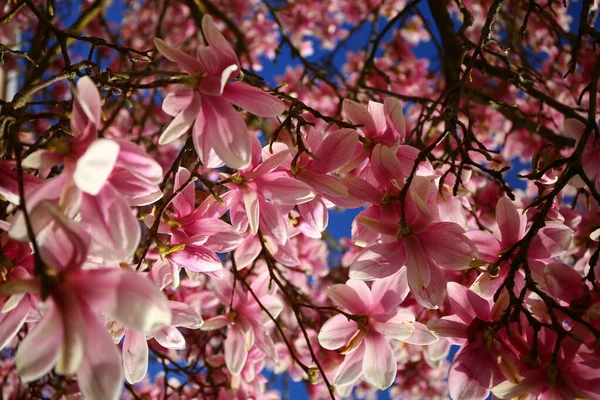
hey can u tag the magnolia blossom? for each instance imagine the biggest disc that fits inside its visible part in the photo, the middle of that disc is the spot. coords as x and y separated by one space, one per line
246 320
423 245
71 336
219 132
102 178
364 338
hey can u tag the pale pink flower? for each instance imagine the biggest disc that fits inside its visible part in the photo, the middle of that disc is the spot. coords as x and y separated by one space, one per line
70 335
365 339
246 320
475 366
102 178
423 245
220 134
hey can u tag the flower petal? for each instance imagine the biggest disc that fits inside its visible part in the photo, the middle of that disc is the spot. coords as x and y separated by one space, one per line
337 332
253 100
135 356
236 352
95 165
40 349
379 363
187 63
100 375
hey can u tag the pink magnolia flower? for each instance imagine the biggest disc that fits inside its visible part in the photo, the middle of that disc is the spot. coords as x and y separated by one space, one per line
551 241
476 365
220 135
423 245
365 339
197 234
569 377
102 178
253 185
70 334
246 320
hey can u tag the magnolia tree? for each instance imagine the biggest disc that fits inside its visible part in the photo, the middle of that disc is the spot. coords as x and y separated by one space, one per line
165 207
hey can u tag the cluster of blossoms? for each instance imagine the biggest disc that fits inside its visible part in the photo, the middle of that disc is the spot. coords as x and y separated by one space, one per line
181 250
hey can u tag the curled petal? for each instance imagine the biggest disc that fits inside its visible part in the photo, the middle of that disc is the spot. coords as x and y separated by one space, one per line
337 332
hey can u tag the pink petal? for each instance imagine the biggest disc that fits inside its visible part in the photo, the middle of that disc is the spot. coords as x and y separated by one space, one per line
471 373
395 117
217 322
389 293
184 203
286 191
488 247
135 159
116 230
253 100
42 159
360 189
574 128
216 40
197 258
351 368
236 351
466 304
184 315
134 190
378 261
510 222
86 105
448 328
95 165
397 327
421 336
377 113
39 351
315 213
418 263
12 321
337 332
324 184
347 298
125 296
225 237
379 363
386 166
187 63
551 241
563 281
447 245
65 246
335 150
177 100
227 133
135 356
358 115
74 334
183 121
170 338
272 222
251 205
247 251
100 375
268 165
